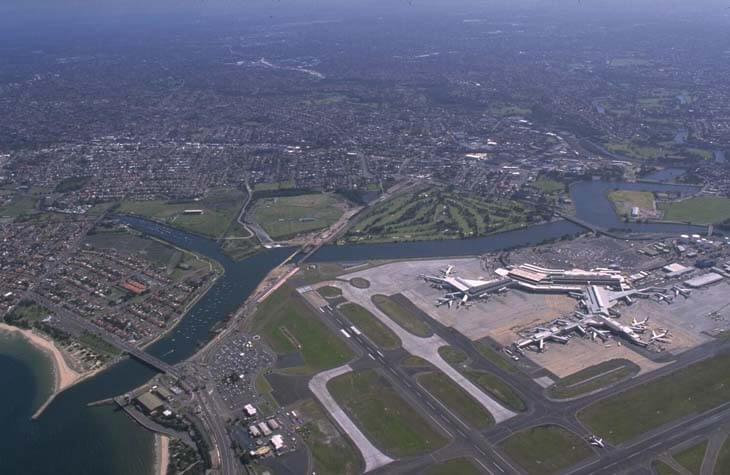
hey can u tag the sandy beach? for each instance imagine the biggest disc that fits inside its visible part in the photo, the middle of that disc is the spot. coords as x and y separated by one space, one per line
63 375
162 454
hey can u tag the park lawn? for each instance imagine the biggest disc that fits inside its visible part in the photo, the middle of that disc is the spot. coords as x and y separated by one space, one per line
286 216
287 324
696 388
97 344
497 388
691 458
701 153
624 200
452 355
129 243
387 420
548 185
460 466
545 449
508 110
329 292
219 207
402 316
240 249
456 399
722 465
332 454
593 378
19 205
369 324
632 150
277 185
26 312
699 210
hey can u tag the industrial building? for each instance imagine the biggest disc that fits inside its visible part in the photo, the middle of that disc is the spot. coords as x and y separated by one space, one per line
149 402
703 280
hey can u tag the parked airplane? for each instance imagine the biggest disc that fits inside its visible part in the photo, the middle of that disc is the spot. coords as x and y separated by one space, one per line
662 337
447 272
596 441
639 326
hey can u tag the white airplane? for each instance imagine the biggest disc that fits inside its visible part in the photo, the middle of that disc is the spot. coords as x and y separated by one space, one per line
602 334
662 337
596 441
639 326
639 323
447 272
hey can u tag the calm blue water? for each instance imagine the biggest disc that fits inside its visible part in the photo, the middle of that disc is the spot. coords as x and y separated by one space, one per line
592 205
72 439
667 174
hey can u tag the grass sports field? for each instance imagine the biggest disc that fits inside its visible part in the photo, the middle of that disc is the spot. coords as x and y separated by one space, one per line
436 214
386 419
696 388
548 185
286 216
636 151
219 207
624 201
699 210
545 449
18 205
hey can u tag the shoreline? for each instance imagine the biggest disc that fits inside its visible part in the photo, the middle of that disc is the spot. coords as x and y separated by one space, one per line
63 375
162 454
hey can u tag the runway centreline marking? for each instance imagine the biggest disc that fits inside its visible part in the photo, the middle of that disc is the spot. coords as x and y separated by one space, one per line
441 426
483 466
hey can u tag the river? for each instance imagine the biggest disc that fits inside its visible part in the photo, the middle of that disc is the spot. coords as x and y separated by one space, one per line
71 438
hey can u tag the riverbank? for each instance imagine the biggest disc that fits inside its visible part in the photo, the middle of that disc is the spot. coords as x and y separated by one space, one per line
162 454
63 375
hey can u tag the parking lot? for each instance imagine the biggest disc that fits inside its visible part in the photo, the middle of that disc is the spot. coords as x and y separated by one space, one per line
234 367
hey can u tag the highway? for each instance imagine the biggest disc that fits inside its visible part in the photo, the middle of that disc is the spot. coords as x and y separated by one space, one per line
110 338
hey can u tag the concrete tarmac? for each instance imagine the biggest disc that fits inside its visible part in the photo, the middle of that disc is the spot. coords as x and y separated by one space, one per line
373 457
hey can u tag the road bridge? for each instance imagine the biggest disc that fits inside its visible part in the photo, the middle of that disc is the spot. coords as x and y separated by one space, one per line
123 346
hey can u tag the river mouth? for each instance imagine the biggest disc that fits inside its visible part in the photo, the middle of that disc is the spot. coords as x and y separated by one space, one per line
72 438
100 440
